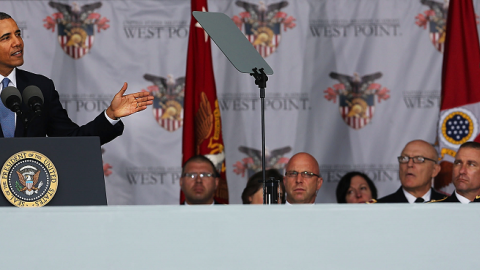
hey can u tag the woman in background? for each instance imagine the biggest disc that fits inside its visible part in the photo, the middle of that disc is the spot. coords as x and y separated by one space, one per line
253 192
356 187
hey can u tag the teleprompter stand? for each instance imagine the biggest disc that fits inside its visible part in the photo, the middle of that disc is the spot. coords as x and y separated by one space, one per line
245 58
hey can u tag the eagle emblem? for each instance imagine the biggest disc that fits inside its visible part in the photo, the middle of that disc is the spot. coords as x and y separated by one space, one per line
263 24
26 181
356 97
168 96
436 20
28 178
253 163
76 26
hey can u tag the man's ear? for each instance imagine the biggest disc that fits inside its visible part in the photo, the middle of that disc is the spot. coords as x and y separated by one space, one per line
217 181
319 183
436 170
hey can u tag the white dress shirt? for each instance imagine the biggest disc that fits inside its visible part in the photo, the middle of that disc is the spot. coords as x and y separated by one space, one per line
462 199
411 198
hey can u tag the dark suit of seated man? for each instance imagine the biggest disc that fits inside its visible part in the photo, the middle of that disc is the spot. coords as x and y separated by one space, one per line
54 121
199 181
466 174
417 167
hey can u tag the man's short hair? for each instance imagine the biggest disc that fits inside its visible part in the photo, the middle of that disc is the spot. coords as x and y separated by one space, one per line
200 158
472 145
4 16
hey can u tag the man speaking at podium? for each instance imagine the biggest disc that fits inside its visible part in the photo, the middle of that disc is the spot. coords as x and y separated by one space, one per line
54 120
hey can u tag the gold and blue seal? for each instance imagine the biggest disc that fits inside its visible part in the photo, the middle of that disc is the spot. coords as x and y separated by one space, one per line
29 179
457 126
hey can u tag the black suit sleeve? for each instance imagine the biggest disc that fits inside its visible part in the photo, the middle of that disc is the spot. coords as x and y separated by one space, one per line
55 121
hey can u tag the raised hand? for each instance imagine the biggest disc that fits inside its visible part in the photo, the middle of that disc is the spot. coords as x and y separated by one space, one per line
125 105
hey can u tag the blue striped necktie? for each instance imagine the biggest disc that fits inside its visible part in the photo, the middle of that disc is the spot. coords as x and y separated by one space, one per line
7 117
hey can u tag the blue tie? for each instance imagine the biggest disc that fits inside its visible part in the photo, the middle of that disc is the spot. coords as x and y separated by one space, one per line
7 117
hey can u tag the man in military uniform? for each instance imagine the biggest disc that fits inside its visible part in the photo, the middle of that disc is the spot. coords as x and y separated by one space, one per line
466 174
417 167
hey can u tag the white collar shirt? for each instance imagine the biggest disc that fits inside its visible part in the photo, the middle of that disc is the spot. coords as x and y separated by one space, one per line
411 198
462 199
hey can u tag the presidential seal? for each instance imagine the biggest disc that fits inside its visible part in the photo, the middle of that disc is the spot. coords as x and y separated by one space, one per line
29 179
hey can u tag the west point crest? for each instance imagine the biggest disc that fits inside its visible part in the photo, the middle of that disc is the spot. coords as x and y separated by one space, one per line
263 24
168 96
253 163
436 20
76 26
356 97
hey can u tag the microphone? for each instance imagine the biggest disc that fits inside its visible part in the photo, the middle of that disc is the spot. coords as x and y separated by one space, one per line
33 98
12 99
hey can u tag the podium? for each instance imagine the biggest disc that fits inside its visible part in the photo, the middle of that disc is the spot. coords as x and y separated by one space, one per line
72 166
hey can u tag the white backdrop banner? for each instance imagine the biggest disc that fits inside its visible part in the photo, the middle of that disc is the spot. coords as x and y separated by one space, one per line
354 81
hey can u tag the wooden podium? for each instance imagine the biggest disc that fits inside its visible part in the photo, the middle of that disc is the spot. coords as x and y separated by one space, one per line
79 176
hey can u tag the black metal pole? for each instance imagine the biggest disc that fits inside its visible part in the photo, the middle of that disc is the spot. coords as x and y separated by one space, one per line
261 80
266 200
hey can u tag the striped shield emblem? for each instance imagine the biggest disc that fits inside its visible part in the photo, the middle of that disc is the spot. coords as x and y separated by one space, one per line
76 41
265 39
358 111
169 114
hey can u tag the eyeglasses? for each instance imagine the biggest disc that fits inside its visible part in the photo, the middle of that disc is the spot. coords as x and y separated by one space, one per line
304 174
417 159
194 175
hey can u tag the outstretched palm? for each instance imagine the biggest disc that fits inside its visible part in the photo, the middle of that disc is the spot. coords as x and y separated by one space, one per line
125 105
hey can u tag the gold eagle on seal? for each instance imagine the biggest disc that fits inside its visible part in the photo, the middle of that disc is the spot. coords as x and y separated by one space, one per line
29 181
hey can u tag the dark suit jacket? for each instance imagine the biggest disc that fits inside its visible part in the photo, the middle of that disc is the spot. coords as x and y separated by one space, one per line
54 121
399 197
453 198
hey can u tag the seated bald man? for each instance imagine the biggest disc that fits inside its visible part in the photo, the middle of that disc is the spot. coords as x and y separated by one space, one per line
302 179
417 168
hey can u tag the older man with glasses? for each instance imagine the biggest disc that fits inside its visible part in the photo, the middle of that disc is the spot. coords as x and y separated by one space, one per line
302 179
199 181
417 167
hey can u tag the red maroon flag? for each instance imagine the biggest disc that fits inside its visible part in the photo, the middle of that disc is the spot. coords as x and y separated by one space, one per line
202 126
460 109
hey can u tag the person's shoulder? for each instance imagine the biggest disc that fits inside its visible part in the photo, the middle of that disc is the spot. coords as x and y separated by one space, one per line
451 198
437 196
30 76
395 197
444 199
388 198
